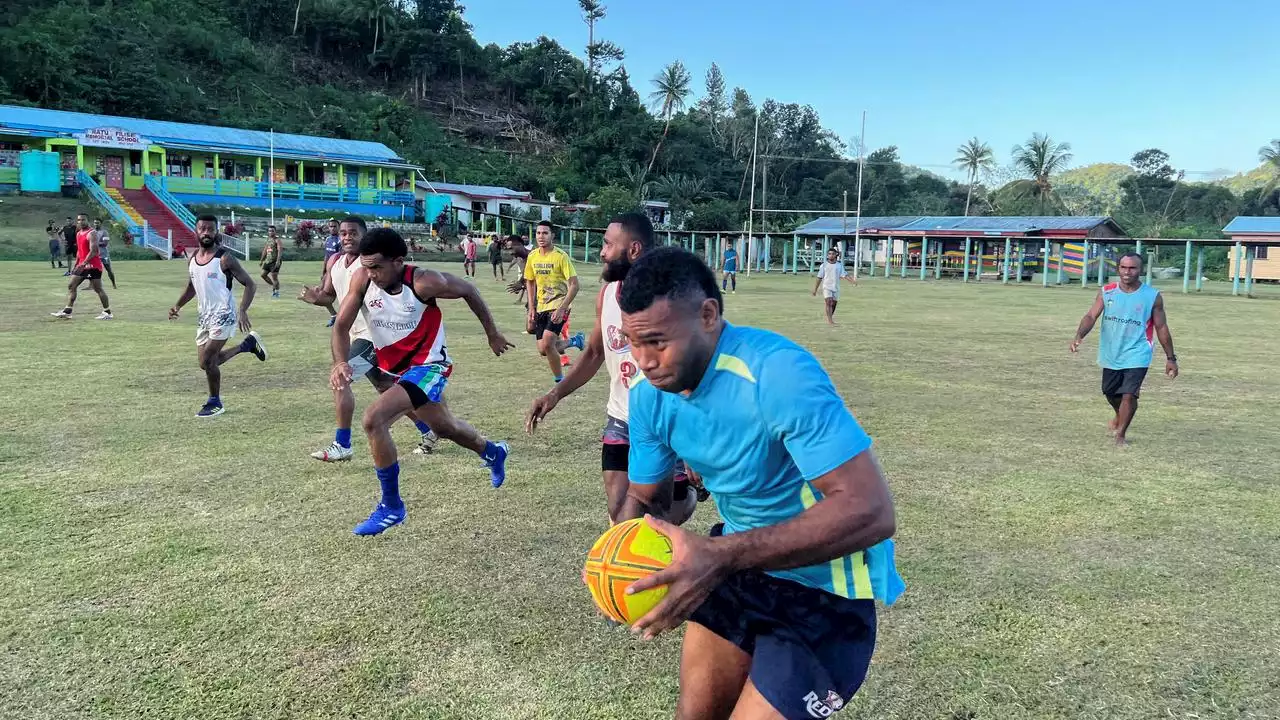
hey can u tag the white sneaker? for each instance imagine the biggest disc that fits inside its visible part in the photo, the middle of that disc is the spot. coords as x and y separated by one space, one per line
104 315
62 314
333 453
428 444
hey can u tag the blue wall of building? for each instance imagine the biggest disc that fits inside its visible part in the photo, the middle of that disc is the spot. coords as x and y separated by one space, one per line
388 212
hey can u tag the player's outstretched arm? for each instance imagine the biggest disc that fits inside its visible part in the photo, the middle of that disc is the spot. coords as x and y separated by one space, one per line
1161 323
323 294
1087 322
443 286
232 267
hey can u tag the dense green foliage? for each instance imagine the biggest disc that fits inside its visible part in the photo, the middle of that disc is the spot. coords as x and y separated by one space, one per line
536 116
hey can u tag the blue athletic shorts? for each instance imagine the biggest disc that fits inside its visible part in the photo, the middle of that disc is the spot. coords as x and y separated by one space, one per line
425 383
809 649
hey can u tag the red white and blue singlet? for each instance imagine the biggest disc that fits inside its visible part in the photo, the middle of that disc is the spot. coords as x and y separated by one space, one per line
406 330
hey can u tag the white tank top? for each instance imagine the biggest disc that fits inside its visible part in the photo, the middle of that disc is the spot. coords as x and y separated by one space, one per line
406 331
216 303
617 353
340 274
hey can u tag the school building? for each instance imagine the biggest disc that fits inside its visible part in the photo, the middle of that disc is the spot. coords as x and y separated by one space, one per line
136 167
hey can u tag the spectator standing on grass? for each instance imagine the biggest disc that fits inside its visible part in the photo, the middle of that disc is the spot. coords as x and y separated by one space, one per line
54 234
104 250
272 258
332 246
69 245
495 258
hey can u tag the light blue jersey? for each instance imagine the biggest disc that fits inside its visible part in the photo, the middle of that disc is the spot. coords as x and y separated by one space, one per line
1127 328
762 425
730 261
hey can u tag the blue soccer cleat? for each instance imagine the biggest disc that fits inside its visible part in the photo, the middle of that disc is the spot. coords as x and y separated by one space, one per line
578 341
497 464
380 519
332 319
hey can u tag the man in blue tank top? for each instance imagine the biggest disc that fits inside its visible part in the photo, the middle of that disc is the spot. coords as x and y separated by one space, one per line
781 598
1132 315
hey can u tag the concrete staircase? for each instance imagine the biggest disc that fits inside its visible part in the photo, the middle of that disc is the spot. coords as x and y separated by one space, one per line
142 205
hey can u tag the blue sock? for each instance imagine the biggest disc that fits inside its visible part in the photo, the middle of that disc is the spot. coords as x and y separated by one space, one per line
215 400
389 478
422 427
559 378
343 437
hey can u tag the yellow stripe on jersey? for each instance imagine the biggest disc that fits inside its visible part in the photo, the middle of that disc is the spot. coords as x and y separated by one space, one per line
734 365
839 580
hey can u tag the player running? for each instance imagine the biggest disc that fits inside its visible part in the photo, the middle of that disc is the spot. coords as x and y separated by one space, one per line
271 260
399 304
830 273
553 284
468 248
88 266
628 237
362 359
1132 313
781 598
104 250
210 271
495 258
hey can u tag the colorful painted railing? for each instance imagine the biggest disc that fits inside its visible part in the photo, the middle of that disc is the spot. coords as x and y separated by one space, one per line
142 234
299 191
180 211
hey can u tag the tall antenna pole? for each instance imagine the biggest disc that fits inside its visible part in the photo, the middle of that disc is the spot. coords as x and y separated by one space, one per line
271 176
857 227
751 213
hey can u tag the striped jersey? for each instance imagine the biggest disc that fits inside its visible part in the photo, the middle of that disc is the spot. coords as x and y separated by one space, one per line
406 330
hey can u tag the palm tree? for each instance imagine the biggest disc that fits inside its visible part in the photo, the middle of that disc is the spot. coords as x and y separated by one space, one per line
1041 159
672 90
1270 155
972 157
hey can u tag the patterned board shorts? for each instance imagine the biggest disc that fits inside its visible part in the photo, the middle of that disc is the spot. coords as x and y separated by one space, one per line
426 383
215 326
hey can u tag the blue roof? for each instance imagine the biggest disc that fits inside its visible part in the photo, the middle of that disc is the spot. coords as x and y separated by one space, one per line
492 191
973 224
1245 224
191 136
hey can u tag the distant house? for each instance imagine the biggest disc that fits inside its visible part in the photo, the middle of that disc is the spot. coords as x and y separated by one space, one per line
659 211
1250 231
473 200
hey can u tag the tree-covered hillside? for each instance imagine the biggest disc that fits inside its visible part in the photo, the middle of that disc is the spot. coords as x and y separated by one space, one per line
539 115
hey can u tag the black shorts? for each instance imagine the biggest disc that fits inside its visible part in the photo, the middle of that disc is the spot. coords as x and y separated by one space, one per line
542 323
1127 381
809 649
90 274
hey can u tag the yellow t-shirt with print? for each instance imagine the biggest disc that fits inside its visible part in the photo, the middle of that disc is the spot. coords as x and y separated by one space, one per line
551 271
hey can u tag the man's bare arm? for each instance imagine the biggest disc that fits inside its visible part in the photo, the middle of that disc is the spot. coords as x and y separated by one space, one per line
647 499
340 340
574 285
232 267
1090 317
855 512
589 360
430 283
1161 323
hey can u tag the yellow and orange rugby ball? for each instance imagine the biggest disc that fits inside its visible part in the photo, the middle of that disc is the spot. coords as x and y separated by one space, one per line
625 553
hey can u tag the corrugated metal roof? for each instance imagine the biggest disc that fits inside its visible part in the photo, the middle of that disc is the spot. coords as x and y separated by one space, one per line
1246 224
162 132
926 223
493 191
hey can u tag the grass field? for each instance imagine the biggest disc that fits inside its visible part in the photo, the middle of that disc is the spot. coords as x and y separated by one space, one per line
159 566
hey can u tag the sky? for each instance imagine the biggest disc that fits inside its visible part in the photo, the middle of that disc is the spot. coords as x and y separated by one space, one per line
1111 77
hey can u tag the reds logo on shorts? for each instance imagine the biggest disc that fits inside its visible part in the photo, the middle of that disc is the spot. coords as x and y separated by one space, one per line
617 339
376 303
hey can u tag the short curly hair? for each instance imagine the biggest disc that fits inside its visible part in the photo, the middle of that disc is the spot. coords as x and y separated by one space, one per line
668 272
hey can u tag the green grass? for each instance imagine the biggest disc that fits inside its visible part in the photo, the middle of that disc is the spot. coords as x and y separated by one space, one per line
158 566
23 219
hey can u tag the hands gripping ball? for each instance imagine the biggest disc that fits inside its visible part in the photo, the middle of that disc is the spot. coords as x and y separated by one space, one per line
627 552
